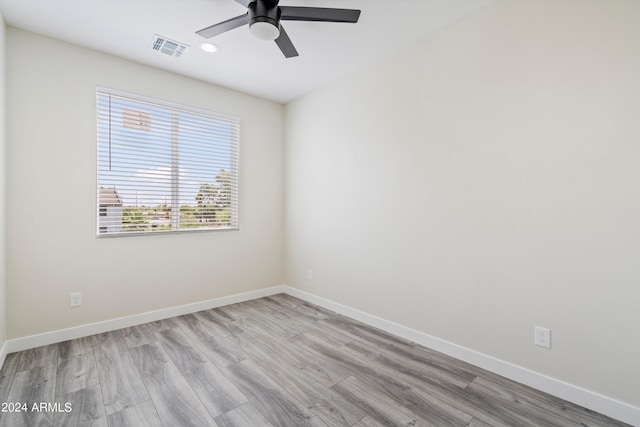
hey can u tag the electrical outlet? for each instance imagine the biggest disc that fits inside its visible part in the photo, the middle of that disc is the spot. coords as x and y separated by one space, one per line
75 299
310 274
542 337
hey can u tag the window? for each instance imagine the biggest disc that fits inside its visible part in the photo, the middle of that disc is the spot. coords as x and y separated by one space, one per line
164 167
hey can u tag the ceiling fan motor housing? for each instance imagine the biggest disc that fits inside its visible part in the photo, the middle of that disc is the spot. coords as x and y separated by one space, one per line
264 11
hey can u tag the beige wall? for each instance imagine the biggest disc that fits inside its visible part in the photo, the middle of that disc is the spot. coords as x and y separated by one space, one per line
51 152
482 181
3 305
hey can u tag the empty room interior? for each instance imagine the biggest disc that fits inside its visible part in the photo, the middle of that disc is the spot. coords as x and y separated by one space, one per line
407 212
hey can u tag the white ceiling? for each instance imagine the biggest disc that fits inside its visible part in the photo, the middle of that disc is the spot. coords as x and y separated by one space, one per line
327 50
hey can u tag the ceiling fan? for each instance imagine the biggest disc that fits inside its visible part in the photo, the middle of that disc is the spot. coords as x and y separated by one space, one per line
264 18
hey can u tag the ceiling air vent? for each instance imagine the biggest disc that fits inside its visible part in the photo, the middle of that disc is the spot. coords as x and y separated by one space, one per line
167 46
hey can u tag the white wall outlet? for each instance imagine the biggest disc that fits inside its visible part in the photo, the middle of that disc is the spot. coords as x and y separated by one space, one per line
310 274
75 299
542 337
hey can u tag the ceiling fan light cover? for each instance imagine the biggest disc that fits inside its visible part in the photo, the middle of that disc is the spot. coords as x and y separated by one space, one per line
265 31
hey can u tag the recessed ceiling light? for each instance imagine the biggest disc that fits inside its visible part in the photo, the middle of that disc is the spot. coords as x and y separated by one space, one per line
208 47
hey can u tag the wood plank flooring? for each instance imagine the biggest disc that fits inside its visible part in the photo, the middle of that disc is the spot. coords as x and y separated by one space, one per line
275 361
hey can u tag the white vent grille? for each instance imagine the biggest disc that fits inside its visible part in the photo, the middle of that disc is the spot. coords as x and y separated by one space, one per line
167 46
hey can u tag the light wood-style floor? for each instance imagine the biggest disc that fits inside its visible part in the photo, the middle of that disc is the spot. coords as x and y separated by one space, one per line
275 361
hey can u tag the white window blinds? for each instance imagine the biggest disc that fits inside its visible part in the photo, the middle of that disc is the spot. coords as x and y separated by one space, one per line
164 167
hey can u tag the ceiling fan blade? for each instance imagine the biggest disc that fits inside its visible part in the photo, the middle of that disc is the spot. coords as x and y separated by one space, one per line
295 13
224 26
245 3
285 44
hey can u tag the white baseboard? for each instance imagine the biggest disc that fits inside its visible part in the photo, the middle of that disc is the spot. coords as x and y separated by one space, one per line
572 393
60 335
3 353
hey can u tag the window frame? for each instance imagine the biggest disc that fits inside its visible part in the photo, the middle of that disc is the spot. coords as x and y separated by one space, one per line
176 107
